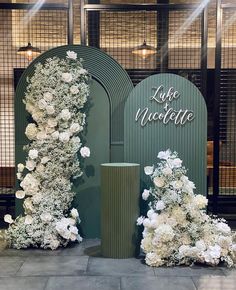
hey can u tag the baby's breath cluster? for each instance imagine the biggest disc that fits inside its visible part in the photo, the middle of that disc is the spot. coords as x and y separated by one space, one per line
56 96
177 229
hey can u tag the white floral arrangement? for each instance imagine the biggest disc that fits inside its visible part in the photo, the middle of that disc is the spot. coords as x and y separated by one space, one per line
177 229
55 97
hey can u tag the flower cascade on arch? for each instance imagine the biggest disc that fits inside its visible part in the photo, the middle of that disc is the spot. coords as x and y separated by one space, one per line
177 229
55 97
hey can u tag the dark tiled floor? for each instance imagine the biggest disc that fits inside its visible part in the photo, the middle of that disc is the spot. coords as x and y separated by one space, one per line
79 267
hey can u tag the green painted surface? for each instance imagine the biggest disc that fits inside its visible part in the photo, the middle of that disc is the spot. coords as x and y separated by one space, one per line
97 138
142 143
109 89
120 209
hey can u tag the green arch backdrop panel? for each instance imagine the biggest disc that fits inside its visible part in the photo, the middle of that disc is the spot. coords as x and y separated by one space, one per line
142 142
110 87
112 77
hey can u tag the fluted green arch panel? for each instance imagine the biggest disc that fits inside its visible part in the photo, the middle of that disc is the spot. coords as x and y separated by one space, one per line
142 143
106 71
110 87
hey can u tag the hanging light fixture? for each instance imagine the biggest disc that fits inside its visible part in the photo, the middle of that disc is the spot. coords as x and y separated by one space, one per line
29 50
144 50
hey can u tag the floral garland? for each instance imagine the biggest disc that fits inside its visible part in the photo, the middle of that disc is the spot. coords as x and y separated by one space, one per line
177 229
56 96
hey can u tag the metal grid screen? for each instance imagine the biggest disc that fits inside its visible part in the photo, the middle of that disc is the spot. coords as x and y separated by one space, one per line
175 34
227 128
44 29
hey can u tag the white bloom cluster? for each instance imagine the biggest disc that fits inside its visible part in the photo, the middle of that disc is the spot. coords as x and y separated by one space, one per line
55 97
177 229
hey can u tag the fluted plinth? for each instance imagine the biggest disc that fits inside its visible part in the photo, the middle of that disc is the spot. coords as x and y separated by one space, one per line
120 209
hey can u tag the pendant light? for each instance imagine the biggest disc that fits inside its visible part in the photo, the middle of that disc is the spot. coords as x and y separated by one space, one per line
29 50
144 50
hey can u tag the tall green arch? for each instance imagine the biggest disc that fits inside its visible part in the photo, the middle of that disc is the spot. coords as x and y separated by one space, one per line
111 85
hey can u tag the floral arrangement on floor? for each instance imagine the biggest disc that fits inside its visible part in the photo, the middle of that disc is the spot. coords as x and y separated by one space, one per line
55 97
177 229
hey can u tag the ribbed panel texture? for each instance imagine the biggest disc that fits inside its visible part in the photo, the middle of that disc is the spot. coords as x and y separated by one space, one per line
142 144
120 209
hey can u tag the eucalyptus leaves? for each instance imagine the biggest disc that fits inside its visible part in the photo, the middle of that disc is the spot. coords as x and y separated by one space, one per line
55 97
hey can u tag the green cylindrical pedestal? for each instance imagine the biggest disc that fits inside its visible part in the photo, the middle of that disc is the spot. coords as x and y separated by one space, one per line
120 208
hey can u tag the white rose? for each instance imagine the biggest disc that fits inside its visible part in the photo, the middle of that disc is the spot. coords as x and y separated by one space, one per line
19 175
48 97
30 165
140 220
201 245
64 137
29 107
52 122
50 110
150 213
65 115
73 237
164 154
49 130
66 77
158 181
148 170
31 131
75 127
184 250
33 153
200 201
175 162
147 223
8 219
74 89
28 205
28 219
42 135
46 217
55 135
82 71
20 167
177 184
42 104
40 168
71 54
20 194
85 152
223 228
37 116
30 184
167 171
160 205
73 230
145 194
45 159
74 213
